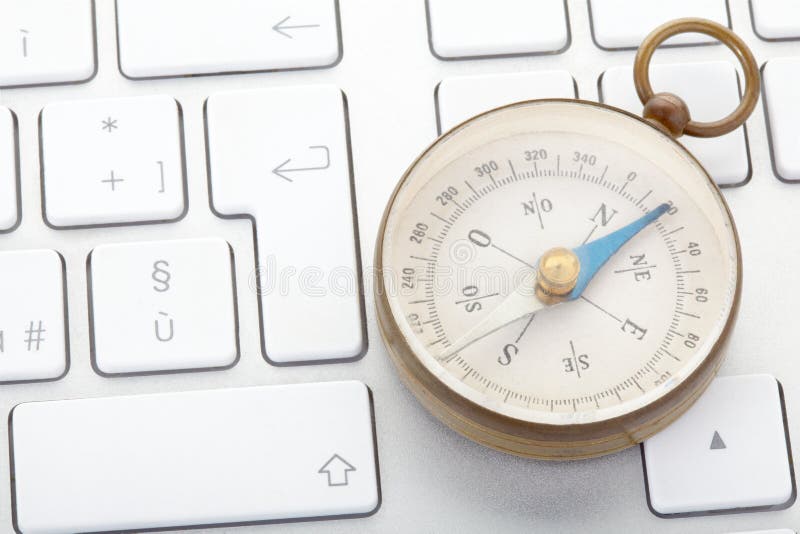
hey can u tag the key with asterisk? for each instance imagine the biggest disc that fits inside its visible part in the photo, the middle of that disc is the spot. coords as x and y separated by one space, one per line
112 161
110 124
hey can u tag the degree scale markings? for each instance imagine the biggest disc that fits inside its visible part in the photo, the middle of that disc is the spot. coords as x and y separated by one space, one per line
448 217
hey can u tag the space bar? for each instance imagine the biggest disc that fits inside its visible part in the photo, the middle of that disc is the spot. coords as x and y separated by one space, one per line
204 458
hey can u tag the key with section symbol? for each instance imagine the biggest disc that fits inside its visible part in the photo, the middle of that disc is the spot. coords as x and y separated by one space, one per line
153 310
33 343
112 161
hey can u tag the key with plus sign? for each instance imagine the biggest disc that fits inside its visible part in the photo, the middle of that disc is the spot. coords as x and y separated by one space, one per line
113 181
112 161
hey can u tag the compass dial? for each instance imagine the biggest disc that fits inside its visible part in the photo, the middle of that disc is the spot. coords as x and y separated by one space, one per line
557 264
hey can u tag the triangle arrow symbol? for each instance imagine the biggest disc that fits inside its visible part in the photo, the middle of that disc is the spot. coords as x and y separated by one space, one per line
717 443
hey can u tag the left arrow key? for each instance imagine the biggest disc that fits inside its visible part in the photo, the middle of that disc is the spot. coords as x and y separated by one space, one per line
233 36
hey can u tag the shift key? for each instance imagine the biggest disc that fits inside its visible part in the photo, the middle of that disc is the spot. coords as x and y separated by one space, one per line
205 458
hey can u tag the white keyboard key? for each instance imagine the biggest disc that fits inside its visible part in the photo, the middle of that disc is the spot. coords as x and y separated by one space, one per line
9 177
46 41
200 458
459 29
462 97
33 343
154 310
729 451
775 531
624 24
776 19
112 161
711 91
781 85
281 156
182 37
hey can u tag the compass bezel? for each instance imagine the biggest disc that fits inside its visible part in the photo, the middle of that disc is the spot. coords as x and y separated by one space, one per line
536 439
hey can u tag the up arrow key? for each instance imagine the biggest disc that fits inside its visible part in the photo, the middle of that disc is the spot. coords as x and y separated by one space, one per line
717 443
337 469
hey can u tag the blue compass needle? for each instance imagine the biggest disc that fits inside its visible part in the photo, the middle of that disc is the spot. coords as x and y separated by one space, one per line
521 301
595 254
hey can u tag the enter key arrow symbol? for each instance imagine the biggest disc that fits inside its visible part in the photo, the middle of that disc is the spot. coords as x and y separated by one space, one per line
281 27
337 469
282 169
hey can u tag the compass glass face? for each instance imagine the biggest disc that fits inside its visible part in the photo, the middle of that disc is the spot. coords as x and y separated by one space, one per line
473 218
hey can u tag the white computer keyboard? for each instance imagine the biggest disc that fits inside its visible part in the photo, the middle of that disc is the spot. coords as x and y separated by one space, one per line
189 198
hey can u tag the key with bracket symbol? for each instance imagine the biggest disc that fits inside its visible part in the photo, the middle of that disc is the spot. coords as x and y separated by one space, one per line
112 161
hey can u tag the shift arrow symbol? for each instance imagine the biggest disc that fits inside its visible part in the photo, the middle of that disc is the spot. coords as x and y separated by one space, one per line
717 443
281 27
337 470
